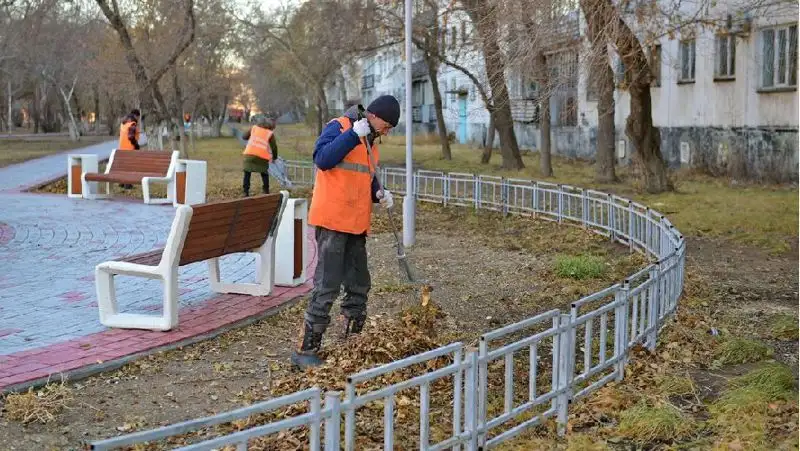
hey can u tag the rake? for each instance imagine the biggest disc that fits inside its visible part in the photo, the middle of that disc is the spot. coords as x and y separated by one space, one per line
406 269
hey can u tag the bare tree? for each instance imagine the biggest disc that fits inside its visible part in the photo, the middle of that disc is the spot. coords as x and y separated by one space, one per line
314 39
147 81
601 78
483 16
426 36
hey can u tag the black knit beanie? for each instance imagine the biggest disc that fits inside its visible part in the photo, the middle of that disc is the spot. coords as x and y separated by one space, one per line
387 108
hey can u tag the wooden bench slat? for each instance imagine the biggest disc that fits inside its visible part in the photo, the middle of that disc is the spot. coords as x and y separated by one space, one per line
121 177
151 258
227 227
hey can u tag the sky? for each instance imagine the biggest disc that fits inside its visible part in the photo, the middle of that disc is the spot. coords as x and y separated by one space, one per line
268 4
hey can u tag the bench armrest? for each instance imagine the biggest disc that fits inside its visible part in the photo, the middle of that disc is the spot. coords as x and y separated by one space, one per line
131 269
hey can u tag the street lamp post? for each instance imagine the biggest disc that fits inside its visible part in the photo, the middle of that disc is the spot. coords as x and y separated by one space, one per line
409 200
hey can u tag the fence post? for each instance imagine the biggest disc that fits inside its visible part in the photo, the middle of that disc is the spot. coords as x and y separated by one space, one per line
446 188
471 422
652 306
350 417
566 357
458 391
621 330
612 222
316 411
535 198
332 423
584 208
648 233
630 225
482 387
560 204
504 194
476 190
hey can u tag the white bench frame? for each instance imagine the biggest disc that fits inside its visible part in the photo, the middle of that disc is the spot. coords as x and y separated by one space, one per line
167 272
169 179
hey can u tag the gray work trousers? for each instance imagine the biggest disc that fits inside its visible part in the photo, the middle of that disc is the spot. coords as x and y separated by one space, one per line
341 260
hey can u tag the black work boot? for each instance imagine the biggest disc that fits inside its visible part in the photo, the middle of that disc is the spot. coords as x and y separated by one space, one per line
307 356
353 325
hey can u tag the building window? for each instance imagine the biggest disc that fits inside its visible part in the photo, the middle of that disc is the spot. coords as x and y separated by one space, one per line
687 61
725 67
779 57
463 32
592 90
453 37
655 65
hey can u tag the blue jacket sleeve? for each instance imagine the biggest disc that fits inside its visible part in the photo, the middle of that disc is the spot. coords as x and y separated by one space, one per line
332 146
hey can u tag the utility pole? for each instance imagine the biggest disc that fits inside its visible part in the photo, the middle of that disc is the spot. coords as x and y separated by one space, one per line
409 200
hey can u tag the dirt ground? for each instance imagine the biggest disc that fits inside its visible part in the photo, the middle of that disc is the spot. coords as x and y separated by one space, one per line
486 272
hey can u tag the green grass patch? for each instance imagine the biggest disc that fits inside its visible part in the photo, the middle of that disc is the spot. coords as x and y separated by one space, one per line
580 267
737 350
743 412
645 424
774 380
13 151
672 385
784 327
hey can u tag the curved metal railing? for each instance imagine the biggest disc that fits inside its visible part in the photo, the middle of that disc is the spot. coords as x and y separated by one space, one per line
588 346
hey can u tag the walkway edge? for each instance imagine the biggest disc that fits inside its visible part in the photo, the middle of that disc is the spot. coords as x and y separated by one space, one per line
110 365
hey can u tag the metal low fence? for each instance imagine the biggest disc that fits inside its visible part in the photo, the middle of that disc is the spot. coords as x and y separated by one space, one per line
566 355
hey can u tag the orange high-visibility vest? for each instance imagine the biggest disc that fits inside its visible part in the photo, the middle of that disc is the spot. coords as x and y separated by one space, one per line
258 144
124 142
342 197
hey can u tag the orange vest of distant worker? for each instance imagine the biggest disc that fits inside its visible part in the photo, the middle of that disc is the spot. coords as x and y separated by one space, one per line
342 198
124 142
258 144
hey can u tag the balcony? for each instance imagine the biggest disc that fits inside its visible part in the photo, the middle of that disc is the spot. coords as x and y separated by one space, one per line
367 81
416 114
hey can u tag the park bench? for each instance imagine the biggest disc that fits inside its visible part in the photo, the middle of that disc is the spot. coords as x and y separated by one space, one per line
135 167
203 232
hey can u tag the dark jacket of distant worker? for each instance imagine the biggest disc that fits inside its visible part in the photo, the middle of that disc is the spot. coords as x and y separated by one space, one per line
341 208
129 132
260 150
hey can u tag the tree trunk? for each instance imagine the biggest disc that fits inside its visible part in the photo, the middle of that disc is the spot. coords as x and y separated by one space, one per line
486 155
482 13
322 107
647 159
96 124
545 148
433 70
605 171
74 134
602 76
35 110
177 113
545 151
10 107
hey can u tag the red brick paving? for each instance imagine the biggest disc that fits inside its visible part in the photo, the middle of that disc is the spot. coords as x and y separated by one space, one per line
24 368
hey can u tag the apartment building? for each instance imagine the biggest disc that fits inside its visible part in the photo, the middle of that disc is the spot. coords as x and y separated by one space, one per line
724 98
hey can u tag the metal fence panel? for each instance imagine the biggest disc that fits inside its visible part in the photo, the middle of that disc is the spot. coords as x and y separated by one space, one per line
585 349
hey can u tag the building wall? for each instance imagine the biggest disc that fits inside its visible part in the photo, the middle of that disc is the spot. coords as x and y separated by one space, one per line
726 127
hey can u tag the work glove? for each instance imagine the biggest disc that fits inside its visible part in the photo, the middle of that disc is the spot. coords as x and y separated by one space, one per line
361 128
386 200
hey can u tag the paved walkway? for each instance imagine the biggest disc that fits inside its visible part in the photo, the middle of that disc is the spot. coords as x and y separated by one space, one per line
49 246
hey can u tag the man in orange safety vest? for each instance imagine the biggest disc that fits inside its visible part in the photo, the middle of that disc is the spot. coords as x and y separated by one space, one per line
341 208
